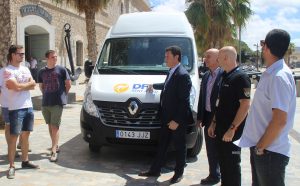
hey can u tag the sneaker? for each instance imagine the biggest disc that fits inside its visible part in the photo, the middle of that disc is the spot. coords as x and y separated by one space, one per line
53 157
11 173
19 148
29 165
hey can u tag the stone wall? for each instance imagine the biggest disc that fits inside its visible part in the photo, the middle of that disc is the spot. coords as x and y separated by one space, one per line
5 29
61 14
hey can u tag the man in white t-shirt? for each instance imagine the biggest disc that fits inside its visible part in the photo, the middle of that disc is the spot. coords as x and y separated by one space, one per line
19 81
271 115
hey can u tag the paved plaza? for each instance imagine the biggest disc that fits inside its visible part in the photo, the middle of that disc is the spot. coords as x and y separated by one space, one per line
112 167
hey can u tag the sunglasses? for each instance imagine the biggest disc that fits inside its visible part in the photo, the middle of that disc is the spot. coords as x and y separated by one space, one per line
262 43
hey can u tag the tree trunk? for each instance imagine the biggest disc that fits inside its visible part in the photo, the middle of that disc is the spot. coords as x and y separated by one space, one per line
91 34
5 27
239 49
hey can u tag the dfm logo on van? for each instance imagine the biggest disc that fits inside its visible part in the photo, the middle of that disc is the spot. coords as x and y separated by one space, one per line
139 87
120 88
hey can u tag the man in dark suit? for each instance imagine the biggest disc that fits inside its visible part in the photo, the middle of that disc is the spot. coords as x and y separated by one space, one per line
175 114
206 107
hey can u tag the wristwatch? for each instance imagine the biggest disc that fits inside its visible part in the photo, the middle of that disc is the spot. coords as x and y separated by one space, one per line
258 151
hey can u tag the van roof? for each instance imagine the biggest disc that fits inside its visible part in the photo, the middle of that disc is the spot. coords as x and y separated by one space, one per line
152 23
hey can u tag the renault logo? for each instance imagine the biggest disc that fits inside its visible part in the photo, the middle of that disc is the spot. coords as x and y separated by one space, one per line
133 107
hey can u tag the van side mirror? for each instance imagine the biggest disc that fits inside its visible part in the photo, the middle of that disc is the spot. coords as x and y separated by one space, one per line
88 68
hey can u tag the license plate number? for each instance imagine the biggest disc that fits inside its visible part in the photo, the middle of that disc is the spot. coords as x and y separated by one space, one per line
132 134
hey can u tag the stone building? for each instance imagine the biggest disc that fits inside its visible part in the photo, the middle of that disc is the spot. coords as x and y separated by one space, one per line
38 25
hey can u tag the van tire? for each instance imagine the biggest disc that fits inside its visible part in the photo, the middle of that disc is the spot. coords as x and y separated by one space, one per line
195 150
94 148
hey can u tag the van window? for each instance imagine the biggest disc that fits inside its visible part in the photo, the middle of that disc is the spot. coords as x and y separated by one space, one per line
141 55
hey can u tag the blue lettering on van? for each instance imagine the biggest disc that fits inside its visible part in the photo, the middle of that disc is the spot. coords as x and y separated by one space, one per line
140 86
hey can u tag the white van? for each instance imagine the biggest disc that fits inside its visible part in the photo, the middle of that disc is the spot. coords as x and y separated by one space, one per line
116 108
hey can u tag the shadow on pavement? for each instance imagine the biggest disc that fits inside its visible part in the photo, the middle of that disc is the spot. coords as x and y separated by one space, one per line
75 154
32 157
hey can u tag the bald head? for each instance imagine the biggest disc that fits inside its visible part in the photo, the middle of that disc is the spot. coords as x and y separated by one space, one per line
227 58
230 52
211 56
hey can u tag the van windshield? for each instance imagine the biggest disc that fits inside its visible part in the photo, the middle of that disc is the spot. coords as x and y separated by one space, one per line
144 55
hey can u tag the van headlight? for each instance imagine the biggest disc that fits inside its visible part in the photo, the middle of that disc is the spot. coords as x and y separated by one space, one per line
192 97
88 104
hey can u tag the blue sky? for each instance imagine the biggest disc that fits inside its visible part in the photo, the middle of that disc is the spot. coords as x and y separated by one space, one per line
268 14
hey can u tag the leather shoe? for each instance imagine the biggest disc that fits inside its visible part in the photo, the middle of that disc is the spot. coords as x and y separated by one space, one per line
176 179
149 174
210 181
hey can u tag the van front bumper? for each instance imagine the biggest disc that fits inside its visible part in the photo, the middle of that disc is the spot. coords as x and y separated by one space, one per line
95 132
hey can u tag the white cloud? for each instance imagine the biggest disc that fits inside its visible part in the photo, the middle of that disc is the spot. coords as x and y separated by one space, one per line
256 30
261 6
170 5
281 3
268 14
296 41
287 11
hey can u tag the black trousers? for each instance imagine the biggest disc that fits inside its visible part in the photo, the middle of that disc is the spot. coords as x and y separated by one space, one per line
229 160
166 136
211 148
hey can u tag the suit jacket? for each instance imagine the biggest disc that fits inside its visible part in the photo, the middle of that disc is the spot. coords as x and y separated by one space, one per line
213 96
175 98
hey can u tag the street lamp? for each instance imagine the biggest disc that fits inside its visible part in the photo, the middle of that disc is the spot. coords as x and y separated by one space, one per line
256 55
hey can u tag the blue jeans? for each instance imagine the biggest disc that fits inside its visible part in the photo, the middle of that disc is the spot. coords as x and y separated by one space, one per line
21 120
5 115
268 169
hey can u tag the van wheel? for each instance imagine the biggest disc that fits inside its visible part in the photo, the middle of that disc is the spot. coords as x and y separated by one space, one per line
94 148
193 152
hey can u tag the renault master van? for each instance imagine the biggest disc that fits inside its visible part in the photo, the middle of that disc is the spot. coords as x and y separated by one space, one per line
117 110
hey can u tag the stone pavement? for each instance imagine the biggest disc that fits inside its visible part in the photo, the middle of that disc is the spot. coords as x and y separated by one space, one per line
112 167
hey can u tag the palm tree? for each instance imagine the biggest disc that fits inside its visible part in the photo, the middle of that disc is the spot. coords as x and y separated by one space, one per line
289 52
241 12
89 8
211 22
200 21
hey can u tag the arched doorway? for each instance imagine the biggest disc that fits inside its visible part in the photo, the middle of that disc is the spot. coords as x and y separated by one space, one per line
36 42
35 25
79 53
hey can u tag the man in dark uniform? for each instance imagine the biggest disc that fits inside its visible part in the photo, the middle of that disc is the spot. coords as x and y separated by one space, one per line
206 108
228 123
175 114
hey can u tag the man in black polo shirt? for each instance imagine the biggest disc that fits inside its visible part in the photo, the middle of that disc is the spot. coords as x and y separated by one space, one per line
228 123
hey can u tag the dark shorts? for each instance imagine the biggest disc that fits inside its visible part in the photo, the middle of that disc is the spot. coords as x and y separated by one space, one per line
21 120
5 115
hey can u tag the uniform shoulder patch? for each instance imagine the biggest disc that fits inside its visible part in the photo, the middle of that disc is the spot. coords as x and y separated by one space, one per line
247 92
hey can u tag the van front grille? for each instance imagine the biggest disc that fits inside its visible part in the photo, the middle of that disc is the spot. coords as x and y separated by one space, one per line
118 116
